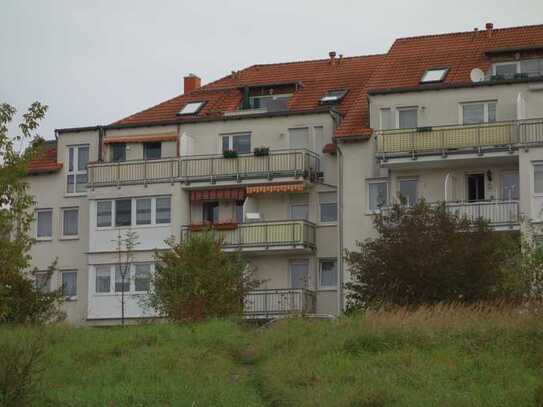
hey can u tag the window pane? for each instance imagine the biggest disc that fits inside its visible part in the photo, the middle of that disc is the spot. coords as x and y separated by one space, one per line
81 185
143 211
70 159
377 192
299 275
210 212
299 138
70 222
152 151
103 213
82 158
507 70
45 224
408 191
242 144
225 143
473 113
69 283
239 211
328 273
163 210
122 278
118 152
41 282
510 186
298 212
142 277
538 179
123 212
492 112
70 183
103 279
407 118
328 212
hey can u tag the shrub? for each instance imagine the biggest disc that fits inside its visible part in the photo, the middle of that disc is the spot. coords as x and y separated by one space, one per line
426 255
196 280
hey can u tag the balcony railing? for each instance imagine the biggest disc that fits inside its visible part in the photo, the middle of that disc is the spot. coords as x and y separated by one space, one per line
277 234
270 303
497 213
208 168
444 140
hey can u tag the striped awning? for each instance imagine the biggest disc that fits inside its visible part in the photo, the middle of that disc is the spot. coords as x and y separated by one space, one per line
236 194
266 189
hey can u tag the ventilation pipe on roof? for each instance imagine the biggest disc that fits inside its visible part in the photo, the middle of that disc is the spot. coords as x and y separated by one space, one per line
475 32
489 27
191 82
332 55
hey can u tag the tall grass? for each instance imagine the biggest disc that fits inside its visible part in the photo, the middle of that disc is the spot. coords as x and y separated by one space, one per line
435 356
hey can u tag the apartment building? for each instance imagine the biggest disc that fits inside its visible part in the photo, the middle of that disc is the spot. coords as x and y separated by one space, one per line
457 118
251 156
289 163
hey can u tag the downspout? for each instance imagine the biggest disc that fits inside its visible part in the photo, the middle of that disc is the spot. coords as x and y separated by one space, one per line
101 132
340 229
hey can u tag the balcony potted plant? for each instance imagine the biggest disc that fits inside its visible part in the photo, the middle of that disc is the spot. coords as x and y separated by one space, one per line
231 225
262 151
230 154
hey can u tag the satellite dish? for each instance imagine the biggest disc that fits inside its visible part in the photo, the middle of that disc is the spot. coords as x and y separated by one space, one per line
477 75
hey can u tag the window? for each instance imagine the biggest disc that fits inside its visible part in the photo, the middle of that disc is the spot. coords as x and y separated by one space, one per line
191 108
123 212
387 119
510 186
475 184
328 206
103 213
299 138
407 118
103 279
70 222
69 283
328 274
532 67
241 143
118 152
298 206
238 211
507 69
527 67
538 179
333 96
142 277
272 103
434 75
152 151
163 210
210 212
299 274
408 191
42 281
44 227
377 195
143 211
78 158
122 284
480 112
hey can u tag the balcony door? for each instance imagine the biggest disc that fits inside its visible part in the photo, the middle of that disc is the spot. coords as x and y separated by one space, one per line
475 187
299 273
510 186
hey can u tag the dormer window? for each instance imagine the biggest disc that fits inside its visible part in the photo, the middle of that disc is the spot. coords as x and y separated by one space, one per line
434 75
191 108
518 69
333 96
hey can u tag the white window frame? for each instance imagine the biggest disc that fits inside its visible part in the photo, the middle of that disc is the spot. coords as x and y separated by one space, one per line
310 137
516 63
485 103
416 180
392 113
385 181
133 215
502 176
131 279
192 108
534 165
402 108
321 202
444 71
69 297
75 172
111 277
231 136
304 261
327 260
45 238
62 235
111 214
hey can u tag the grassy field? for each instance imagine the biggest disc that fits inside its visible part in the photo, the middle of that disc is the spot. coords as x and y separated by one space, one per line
437 357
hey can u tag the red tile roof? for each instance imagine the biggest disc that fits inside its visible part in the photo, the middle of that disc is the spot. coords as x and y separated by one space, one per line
314 79
45 161
409 58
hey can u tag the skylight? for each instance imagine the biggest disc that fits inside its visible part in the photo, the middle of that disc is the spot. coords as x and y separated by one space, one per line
191 108
333 96
434 75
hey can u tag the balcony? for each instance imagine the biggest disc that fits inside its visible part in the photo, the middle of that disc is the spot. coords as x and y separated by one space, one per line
283 165
461 141
262 236
276 303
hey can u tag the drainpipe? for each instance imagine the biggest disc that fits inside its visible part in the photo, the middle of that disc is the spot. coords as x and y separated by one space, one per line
447 184
340 229
101 134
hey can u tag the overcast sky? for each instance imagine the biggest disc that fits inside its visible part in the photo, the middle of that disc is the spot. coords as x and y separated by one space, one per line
94 62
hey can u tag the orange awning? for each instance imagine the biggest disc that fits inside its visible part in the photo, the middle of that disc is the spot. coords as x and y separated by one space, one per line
236 194
141 139
266 189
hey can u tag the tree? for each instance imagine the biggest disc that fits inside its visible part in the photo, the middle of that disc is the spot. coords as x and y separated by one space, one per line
197 280
427 255
20 299
125 245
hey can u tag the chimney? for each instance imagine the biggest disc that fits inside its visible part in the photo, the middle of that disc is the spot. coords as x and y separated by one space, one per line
332 55
190 83
475 32
489 27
